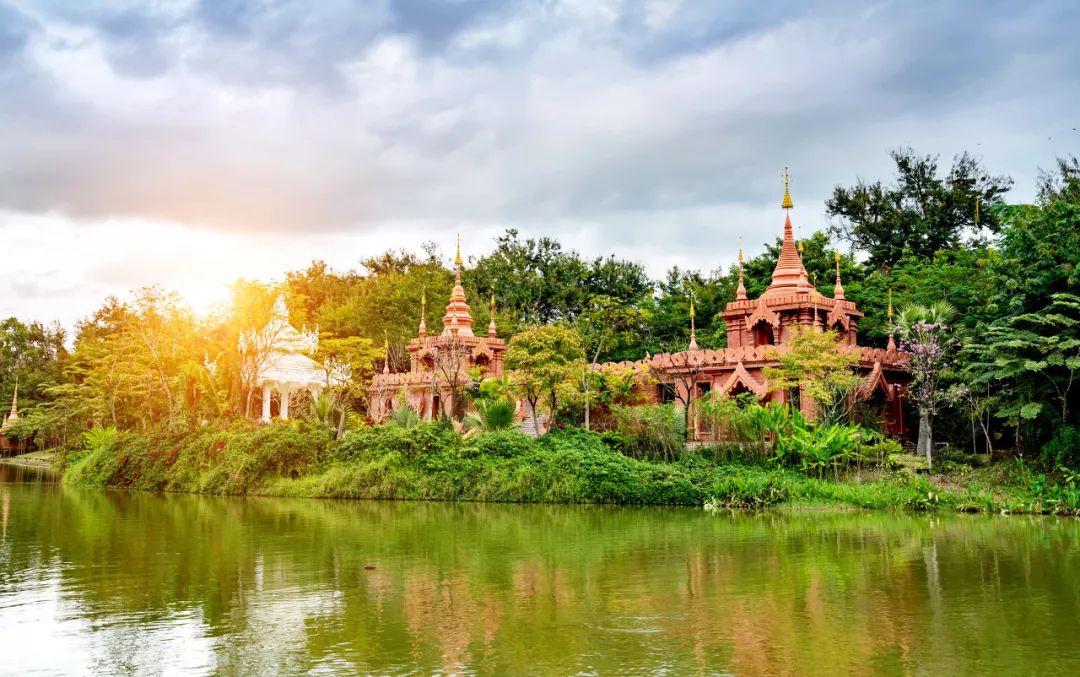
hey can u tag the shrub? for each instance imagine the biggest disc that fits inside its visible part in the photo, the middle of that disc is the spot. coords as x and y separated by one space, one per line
1063 449
651 431
879 452
498 444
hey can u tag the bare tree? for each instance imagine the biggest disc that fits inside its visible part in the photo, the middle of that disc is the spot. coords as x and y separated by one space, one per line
452 355
681 370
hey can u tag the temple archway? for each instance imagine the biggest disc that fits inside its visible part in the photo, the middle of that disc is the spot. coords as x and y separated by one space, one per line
763 334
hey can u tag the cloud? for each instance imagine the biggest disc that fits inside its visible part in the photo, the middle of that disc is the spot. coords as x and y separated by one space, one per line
610 123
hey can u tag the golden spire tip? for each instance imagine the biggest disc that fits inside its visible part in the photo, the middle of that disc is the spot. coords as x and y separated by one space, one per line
787 203
457 255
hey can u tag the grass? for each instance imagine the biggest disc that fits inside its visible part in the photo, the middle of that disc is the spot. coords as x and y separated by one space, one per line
433 462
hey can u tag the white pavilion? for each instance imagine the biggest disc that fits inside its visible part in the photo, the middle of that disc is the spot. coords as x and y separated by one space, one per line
287 369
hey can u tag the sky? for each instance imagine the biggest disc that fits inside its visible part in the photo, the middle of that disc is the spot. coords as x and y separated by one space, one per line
186 144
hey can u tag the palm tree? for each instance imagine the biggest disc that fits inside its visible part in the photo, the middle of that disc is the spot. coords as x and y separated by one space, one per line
927 338
492 415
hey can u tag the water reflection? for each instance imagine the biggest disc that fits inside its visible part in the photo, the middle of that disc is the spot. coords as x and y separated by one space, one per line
139 583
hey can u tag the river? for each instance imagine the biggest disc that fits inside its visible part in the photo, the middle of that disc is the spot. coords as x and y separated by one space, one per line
113 583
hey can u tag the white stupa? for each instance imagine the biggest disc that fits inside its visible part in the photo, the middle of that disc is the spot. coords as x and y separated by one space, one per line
287 367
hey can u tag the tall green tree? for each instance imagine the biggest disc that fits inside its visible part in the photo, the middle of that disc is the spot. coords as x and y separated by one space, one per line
543 358
605 323
1033 362
815 364
922 210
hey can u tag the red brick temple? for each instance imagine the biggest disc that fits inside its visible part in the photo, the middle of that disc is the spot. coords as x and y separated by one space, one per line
757 329
439 362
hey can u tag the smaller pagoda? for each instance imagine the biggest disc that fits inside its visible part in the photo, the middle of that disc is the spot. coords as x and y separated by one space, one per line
287 367
6 444
440 364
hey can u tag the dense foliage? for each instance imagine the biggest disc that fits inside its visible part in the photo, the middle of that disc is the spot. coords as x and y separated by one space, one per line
432 461
1010 271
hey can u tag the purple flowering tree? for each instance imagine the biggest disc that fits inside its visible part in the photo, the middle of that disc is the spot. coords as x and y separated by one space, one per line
927 338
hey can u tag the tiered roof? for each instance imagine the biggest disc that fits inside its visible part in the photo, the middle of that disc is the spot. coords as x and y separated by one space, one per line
288 362
457 320
14 415
789 276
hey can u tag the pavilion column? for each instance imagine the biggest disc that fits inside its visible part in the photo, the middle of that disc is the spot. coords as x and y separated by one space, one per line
285 393
267 394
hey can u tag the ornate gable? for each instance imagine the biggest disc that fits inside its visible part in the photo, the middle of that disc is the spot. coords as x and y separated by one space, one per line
740 375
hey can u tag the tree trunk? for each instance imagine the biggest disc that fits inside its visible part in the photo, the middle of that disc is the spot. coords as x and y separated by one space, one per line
536 417
588 383
925 437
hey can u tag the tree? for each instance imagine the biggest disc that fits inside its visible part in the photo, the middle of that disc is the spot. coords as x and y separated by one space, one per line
1032 359
1040 256
927 339
542 359
681 370
538 282
31 354
452 366
816 363
347 365
255 335
606 321
1064 184
666 314
921 211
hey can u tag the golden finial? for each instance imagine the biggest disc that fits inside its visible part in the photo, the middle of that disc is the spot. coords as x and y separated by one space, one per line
493 302
423 299
890 305
691 304
457 256
837 256
976 210
787 203
740 252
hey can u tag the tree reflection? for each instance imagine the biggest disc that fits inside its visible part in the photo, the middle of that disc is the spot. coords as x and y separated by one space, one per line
273 585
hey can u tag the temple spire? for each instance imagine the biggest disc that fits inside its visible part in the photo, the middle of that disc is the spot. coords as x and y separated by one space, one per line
838 290
693 329
457 320
14 415
787 203
789 276
740 293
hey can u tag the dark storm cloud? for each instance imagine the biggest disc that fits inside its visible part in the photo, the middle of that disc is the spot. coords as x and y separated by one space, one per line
300 116
434 23
15 30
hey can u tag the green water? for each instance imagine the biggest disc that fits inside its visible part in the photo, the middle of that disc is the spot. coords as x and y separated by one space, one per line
107 583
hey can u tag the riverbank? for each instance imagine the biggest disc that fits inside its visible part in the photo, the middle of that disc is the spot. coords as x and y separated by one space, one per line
434 462
34 459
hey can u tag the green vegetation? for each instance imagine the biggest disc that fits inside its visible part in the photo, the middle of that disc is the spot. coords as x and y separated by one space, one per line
432 461
998 378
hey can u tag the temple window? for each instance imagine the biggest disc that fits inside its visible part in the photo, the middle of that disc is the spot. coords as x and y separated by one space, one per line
763 334
666 392
483 361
